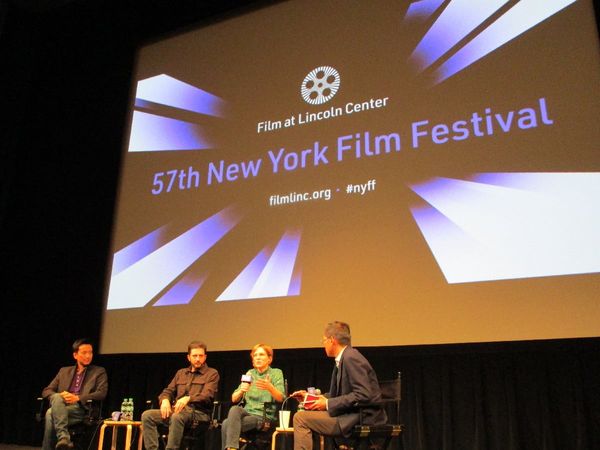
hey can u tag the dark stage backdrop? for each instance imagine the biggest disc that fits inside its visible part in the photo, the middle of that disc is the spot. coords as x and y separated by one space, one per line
66 68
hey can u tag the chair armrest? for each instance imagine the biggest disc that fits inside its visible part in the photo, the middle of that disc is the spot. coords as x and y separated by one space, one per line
94 412
372 405
364 405
40 411
269 423
219 408
267 407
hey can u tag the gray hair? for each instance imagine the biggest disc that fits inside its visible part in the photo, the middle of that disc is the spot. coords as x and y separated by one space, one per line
340 331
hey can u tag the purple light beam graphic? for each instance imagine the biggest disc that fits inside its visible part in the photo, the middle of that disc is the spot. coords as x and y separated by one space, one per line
135 286
423 9
153 133
268 275
523 225
521 17
182 292
458 19
166 90
137 250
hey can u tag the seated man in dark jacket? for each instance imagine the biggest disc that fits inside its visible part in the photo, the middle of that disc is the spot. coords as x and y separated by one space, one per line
68 393
353 381
193 390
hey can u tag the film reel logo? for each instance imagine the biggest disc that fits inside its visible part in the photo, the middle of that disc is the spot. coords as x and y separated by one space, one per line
320 85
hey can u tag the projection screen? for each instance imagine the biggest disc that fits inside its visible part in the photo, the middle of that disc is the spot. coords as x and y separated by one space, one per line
427 171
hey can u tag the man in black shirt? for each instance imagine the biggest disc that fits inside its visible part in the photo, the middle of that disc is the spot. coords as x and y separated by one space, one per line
192 391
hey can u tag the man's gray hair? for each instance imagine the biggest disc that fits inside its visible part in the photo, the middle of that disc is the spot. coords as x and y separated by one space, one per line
340 331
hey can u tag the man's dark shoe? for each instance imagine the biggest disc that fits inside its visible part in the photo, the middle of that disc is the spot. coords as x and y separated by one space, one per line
64 444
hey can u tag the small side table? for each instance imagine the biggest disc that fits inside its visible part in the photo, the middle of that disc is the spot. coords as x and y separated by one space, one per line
115 425
290 430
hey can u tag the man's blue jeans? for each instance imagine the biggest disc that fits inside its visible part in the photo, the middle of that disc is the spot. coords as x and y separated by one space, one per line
58 418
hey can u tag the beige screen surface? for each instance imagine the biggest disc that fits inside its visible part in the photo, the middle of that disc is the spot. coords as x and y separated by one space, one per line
438 181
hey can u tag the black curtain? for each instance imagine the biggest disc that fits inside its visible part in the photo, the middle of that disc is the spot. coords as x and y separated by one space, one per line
64 81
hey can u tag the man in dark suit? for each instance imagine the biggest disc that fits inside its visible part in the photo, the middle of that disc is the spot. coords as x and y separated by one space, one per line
353 381
68 393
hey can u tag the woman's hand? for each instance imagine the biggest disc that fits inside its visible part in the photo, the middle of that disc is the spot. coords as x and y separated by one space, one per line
264 383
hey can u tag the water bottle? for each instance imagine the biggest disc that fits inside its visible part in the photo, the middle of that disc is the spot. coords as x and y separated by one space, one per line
123 409
130 409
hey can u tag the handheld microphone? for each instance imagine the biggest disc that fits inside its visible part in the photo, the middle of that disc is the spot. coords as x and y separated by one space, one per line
246 379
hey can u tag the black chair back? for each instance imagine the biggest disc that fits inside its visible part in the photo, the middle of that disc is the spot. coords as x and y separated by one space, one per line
379 436
391 392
